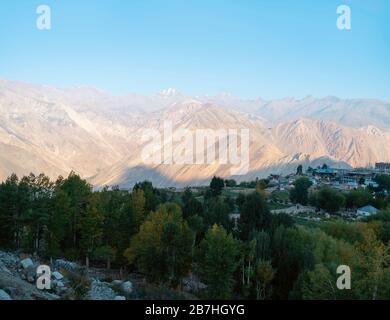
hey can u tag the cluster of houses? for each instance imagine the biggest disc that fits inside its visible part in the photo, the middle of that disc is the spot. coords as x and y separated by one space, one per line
339 179
344 179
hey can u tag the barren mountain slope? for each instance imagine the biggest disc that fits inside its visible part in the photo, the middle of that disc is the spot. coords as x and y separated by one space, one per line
44 129
358 147
351 113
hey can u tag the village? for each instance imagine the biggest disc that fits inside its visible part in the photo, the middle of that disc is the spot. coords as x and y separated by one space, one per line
277 188
342 180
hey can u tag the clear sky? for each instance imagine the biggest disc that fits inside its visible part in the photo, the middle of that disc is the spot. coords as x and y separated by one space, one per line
249 48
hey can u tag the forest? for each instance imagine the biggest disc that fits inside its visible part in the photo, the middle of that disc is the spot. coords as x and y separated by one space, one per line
168 235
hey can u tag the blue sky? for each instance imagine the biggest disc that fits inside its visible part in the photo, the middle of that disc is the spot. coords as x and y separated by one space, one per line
249 48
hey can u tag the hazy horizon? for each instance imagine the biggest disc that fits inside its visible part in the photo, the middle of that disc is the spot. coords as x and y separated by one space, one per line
185 94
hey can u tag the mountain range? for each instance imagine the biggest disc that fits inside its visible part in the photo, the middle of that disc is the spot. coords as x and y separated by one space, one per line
100 136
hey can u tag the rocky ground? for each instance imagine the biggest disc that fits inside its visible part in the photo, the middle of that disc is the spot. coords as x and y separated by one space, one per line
18 278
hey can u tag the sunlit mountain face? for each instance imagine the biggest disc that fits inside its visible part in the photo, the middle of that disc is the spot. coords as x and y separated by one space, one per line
100 136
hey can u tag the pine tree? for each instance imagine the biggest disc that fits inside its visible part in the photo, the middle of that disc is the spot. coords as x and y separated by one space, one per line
10 213
58 221
78 191
91 229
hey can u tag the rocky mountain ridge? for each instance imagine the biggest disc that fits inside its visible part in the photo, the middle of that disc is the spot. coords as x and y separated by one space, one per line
99 136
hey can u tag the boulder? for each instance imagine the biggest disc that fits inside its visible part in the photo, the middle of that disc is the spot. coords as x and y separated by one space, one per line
127 287
192 284
4 295
13 292
3 268
57 275
30 273
116 283
25 263
19 289
120 298
59 284
59 287
66 265
8 260
101 291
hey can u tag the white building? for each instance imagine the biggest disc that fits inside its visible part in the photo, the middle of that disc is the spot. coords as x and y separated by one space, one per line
366 211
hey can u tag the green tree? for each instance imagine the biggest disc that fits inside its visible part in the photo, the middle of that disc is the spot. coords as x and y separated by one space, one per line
384 218
319 284
58 221
383 182
91 228
358 198
217 212
240 200
253 253
78 191
255 215
196 224
12 204
216 186
162 248
261 185
373 267
327 199
263 245
217 262
118 224
264 275
191 206
300 193
138 203
153 197
230 183
36 217
291 254
105 253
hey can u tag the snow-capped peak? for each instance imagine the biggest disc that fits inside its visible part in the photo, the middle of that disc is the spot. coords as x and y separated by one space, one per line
168 92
